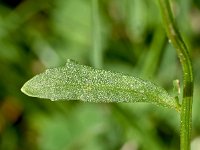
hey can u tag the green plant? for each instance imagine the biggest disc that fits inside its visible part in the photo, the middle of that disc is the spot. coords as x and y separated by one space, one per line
187 94
79 82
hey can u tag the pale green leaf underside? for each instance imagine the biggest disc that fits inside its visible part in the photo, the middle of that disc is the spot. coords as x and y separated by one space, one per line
79 82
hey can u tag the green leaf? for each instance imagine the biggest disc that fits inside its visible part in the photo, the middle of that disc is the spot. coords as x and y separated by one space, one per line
79 82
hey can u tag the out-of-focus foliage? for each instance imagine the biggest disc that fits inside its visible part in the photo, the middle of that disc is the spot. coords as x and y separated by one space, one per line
35 35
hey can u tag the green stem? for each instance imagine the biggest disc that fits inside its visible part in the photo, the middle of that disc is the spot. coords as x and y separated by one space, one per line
183 54
96 37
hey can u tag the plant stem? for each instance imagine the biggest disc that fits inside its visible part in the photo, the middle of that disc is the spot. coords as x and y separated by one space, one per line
183 54
155 53
97 56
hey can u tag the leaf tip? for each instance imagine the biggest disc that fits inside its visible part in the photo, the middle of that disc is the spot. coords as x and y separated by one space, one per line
26 89
23 90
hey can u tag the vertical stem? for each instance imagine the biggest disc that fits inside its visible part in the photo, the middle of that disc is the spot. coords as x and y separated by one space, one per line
183 54
96 37
154 55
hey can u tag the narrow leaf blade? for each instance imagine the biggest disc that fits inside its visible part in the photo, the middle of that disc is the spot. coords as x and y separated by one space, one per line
79 82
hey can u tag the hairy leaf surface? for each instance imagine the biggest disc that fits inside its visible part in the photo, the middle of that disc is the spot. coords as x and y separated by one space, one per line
79 82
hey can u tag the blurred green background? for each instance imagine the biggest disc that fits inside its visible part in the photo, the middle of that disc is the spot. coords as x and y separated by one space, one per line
120 35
